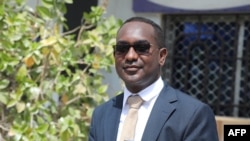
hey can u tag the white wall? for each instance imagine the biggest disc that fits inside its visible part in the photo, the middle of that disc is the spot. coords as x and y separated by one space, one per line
33 3
122 9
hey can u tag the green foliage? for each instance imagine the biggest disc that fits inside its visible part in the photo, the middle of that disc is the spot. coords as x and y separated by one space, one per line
50 80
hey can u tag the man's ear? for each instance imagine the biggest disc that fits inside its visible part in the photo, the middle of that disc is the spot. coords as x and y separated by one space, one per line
163 55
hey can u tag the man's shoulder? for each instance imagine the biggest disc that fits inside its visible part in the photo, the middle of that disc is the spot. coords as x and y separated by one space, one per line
114 101
182 96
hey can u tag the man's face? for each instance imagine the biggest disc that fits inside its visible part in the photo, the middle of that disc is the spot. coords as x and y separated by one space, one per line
138 59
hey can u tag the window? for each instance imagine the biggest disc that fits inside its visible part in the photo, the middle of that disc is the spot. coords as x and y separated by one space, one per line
209 58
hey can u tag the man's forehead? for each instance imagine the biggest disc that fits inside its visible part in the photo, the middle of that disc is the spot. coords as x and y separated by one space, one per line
136 29
136 24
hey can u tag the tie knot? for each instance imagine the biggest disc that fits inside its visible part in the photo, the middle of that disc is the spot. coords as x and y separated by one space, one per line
134 101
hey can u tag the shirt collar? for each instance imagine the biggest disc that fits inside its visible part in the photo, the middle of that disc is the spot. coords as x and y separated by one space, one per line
148 93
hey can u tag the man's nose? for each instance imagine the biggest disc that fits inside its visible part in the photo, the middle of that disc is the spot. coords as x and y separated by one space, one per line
131 54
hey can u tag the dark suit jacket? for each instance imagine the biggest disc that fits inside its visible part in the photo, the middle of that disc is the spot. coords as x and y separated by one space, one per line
175 116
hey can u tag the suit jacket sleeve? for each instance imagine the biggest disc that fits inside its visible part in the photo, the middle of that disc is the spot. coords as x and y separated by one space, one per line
202 126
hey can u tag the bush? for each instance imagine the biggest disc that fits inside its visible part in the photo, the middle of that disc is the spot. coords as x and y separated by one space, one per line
51 80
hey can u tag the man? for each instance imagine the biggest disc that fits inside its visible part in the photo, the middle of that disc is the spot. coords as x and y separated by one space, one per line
166 114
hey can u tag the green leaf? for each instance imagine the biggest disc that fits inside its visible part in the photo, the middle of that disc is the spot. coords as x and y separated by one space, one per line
3 97
42 128
21 73
20 106
68 1
12 103
102 89
4 83
44 12
48 3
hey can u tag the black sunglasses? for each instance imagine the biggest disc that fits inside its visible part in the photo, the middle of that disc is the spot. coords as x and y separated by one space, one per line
140 48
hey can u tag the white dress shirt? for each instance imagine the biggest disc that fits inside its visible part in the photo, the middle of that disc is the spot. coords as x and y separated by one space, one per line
149 95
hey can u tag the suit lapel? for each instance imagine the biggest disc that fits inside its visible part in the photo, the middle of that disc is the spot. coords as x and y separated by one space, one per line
113 119
160 113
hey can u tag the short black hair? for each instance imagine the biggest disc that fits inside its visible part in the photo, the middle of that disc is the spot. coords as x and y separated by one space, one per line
159 35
